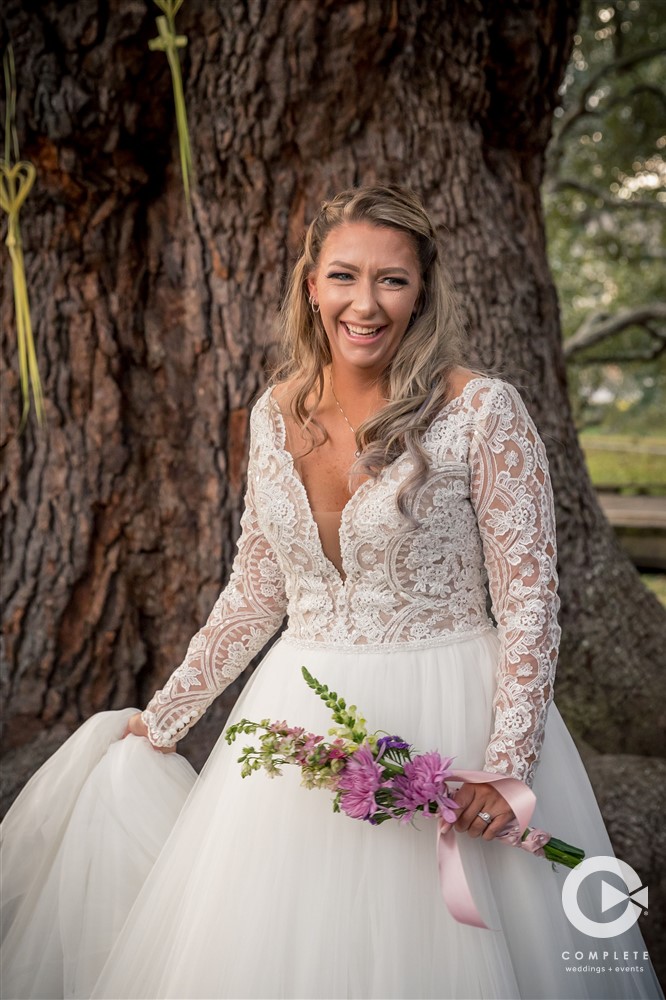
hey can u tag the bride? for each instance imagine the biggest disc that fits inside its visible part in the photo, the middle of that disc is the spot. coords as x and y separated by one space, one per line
387 485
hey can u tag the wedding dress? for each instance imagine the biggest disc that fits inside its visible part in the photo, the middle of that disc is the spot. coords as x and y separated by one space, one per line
126 875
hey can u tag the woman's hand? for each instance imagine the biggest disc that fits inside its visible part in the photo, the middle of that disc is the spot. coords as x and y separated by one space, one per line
137 727
473 799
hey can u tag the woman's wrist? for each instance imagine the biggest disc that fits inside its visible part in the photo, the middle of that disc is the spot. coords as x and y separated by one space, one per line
137 726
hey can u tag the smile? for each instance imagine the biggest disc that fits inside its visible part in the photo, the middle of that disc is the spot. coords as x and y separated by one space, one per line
367 333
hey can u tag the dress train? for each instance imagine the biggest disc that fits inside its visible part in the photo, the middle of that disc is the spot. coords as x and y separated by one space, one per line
254 888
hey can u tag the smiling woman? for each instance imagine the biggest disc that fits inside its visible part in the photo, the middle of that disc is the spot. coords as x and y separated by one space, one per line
364 292
372 336
366 285
441 483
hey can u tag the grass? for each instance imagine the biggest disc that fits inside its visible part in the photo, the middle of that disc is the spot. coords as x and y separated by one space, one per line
657 583
632 465
629 464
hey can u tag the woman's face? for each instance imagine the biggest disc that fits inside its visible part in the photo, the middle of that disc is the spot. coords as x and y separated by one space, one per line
367 283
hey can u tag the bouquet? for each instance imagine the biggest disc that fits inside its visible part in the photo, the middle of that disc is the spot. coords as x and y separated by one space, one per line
377 777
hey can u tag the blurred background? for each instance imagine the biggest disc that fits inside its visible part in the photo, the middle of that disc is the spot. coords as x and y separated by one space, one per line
605 203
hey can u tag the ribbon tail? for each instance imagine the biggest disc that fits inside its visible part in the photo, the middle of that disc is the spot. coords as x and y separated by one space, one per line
453 881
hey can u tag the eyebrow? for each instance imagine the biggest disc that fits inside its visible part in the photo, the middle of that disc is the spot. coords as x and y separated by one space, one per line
382 270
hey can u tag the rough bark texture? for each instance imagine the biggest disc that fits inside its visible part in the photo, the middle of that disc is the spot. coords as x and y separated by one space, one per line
121 514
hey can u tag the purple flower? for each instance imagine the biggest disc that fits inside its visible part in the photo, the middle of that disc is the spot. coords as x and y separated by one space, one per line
392 743
359 781
423 782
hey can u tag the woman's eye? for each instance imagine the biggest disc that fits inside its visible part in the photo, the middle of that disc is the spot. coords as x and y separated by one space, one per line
345 277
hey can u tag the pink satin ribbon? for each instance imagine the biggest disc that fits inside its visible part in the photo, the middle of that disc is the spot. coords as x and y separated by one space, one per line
452 878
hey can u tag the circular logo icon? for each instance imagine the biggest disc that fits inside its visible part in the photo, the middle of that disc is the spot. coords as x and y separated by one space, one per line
635 897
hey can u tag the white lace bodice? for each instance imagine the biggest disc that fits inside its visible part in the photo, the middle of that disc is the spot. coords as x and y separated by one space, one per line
486 513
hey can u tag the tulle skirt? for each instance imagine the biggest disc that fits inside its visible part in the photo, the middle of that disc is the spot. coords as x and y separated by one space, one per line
126 876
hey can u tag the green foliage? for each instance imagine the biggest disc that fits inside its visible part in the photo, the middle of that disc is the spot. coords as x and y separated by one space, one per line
351 725
630 464
657 583
605 204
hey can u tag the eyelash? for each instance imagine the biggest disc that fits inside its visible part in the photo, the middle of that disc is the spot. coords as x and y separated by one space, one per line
399 282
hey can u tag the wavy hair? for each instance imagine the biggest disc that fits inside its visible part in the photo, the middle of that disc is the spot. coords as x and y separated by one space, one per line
416 382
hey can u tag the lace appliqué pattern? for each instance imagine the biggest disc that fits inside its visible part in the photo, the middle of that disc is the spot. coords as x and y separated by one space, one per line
514 507
486 516
247 613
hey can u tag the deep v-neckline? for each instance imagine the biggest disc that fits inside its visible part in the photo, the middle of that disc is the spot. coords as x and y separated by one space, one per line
281 446
330 566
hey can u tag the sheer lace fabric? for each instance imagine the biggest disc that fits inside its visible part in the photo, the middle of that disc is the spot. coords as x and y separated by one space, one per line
328 525
486 516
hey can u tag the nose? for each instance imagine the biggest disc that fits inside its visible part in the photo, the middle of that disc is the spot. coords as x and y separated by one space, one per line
365 299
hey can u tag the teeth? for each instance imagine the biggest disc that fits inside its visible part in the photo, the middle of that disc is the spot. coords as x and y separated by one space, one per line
361 331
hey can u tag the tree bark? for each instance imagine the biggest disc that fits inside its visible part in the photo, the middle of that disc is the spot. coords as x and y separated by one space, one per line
153 335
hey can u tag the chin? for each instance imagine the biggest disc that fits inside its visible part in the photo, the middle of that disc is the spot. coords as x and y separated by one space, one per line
342 352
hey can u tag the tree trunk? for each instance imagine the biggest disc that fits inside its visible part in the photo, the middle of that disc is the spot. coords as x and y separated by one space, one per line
153 334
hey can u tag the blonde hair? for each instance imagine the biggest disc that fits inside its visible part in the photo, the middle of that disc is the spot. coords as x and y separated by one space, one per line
416 381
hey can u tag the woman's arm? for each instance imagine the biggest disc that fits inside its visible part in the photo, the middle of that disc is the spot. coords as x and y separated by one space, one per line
247 613
512 497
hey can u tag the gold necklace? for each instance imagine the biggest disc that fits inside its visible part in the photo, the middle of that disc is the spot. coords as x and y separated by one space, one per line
330 375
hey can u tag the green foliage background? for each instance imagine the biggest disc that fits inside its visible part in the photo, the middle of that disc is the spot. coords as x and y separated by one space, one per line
605 203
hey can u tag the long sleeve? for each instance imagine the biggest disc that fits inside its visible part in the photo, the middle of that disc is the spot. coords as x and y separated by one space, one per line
247 613
512 497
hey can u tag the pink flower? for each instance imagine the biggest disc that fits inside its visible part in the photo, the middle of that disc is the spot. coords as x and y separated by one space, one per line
284 729
311 741
309 750
359 781
423 782
535 841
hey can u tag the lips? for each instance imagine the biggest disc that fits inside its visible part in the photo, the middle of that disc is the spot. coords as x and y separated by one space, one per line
361 334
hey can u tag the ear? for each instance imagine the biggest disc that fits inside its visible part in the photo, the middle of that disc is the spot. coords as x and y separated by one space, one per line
312 284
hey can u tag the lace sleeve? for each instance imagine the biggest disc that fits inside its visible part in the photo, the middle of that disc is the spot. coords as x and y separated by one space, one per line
247 613
513 500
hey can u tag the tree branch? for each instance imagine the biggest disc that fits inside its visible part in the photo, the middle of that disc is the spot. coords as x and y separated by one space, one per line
579 109
640 88
619 359
600 326
568 183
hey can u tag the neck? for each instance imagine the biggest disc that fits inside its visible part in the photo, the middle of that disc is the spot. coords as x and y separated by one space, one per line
358 391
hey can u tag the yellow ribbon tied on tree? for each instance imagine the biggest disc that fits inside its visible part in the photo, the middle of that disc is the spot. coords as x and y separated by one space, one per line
16 181
169 42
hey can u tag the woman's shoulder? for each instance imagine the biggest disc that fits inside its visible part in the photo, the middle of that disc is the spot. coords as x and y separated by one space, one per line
479 397
458 380
263 423
272 409
476 387
275 394
280 393
469 387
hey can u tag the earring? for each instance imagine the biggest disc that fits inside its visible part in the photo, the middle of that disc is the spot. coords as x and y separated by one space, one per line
315 305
